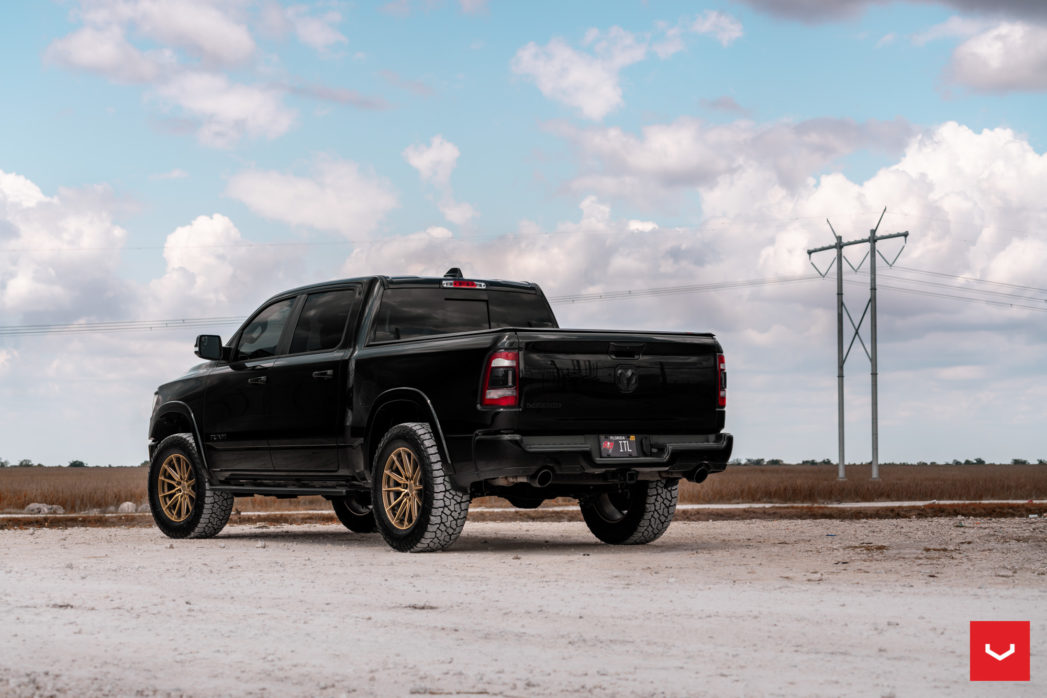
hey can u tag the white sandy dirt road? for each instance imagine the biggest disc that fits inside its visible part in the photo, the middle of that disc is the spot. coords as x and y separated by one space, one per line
761 608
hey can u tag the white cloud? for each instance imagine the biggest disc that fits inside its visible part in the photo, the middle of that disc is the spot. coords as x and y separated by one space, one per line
209 30
457 212
6 359
886 40
688 152
339 197
1009 57
17 192
105 50
435 163
317 31
584 81
950 28
197 40
725 28
589 80
227 110
213 270
61 252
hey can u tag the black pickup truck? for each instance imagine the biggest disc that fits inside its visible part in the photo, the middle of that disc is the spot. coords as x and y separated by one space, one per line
400 399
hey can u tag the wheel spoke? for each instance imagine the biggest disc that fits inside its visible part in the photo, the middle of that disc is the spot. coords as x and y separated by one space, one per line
401 510
395 476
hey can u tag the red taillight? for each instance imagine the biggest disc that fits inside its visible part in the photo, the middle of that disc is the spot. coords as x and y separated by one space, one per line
463 284
500 388
721 381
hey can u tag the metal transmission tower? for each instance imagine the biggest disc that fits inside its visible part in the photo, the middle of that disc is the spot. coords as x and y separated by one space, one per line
841 308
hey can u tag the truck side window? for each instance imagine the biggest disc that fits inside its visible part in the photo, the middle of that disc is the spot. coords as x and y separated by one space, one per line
322 322
262 335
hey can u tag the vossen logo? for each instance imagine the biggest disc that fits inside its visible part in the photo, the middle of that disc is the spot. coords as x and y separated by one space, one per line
1000 650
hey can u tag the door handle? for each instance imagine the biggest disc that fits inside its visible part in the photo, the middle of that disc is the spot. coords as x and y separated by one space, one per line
324 375
260 380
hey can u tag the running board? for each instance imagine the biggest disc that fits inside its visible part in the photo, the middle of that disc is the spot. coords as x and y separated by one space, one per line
248 490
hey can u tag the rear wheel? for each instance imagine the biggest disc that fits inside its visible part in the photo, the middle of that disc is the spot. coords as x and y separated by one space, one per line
183 503
416 505
632 515
354 511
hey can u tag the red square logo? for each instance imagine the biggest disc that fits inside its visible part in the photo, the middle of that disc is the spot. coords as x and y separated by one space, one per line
1000 650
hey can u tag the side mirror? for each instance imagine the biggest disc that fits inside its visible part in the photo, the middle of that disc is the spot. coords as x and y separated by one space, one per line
209 346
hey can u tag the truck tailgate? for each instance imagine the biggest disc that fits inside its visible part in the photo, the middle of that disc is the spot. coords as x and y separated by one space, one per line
590 381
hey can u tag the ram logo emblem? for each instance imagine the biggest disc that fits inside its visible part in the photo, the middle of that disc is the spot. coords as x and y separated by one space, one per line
626 378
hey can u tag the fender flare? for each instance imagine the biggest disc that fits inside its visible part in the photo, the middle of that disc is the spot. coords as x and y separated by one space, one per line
415 397
180 408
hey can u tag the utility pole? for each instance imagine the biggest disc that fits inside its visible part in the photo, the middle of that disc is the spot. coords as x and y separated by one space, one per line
841 309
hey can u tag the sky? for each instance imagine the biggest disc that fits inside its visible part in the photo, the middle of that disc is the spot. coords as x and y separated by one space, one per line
184 160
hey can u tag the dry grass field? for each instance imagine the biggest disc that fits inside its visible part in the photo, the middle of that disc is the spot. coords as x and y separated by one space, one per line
81 490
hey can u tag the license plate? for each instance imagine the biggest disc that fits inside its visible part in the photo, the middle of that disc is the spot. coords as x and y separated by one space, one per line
619 446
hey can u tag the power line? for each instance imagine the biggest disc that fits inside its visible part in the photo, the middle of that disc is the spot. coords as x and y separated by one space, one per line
954 287
971 278
674 290
968 299
124 326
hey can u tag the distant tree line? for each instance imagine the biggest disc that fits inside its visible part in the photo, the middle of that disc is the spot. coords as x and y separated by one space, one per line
26 463
829 461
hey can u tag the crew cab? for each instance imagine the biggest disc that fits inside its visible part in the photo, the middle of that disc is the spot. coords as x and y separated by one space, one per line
400 399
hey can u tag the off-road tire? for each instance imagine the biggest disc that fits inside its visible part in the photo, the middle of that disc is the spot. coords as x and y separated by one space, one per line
210 509
356 515
443 508
638 514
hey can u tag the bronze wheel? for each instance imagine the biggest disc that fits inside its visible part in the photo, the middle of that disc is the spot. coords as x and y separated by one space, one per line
183 502
177 488
402 488
417 506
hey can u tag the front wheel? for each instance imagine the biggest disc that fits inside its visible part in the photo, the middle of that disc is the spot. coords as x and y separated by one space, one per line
633 515
183 503
416 505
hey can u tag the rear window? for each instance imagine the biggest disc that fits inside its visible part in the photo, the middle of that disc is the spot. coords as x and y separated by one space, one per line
419 312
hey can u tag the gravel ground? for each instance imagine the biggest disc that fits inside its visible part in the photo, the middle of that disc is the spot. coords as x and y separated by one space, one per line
719 608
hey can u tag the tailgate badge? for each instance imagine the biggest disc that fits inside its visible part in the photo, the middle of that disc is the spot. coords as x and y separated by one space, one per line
626 378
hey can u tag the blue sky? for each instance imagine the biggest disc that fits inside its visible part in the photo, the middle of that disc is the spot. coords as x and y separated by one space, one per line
187 159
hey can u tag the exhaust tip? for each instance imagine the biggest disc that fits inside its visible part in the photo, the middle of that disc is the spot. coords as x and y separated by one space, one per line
542 478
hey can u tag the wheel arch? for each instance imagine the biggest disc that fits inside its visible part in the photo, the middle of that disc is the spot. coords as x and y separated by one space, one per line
176 417
399 405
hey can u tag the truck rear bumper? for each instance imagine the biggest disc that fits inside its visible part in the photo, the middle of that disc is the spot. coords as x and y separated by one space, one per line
515 455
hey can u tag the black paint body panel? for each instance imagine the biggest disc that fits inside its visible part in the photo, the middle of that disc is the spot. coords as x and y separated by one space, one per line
310 421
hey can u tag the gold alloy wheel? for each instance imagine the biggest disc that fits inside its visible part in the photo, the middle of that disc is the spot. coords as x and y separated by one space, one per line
176 487
402 488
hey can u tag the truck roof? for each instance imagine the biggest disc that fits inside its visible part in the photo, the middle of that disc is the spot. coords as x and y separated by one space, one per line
414 281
